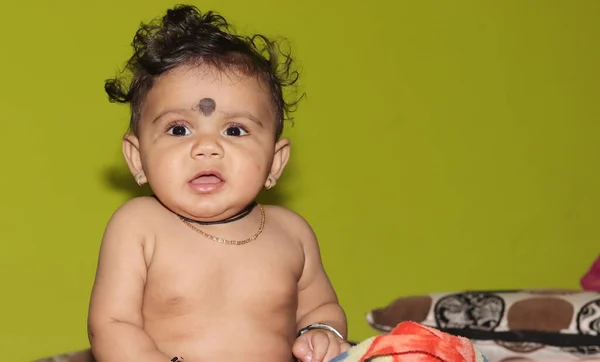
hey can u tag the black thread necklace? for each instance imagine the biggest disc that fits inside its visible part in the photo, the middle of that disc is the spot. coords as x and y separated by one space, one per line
240 215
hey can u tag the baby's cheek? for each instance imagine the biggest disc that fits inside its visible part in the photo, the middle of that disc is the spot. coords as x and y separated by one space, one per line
260 166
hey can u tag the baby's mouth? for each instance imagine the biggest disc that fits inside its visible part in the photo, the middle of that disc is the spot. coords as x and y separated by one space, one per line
207 179
207 182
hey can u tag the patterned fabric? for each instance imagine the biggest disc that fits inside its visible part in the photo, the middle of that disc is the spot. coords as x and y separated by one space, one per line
412 342
534 324
79 356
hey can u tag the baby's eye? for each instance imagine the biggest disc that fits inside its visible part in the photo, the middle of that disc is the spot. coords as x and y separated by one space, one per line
178 130
235 131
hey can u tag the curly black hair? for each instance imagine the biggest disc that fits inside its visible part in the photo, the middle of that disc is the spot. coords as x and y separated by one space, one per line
185 36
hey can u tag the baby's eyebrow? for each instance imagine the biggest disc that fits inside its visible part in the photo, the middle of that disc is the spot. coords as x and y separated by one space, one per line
243 114
232 114
167 111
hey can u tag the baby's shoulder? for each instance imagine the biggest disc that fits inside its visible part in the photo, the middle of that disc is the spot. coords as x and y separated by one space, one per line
285 215
137 210
290 220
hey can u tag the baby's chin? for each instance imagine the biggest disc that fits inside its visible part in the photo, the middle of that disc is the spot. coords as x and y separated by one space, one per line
211 213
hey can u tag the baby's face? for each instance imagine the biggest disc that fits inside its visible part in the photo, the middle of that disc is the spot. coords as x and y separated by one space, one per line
206 141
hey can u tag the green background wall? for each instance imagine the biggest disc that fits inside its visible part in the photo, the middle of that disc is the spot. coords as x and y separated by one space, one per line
443 145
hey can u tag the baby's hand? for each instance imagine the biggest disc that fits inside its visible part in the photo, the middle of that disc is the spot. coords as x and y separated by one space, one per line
318 346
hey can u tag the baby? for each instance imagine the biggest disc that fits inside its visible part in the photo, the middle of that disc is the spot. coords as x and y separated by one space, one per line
200 271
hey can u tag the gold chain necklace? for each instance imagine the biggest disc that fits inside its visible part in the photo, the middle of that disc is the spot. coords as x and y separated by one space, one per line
226 241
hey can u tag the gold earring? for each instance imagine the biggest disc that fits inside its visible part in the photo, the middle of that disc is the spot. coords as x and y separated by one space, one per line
270 182
138 179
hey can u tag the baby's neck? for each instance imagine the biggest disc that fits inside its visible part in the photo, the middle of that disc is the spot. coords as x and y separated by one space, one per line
240 215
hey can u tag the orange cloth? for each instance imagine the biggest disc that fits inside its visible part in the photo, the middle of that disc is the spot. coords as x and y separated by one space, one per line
412 342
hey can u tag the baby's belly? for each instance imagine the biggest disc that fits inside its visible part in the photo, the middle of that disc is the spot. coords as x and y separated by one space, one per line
229 339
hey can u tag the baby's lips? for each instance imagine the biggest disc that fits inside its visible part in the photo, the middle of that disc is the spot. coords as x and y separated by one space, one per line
207 179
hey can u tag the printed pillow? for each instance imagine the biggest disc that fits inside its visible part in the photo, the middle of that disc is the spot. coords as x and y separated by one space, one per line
530 324
78 356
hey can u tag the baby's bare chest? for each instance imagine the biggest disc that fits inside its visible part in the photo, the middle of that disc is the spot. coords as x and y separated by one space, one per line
200 276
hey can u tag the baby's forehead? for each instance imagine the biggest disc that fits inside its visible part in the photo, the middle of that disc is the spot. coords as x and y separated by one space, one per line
217 75
212 78
201 87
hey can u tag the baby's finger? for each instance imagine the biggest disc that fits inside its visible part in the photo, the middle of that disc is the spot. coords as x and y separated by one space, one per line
332 352
336 347
320 344
344 346
301 349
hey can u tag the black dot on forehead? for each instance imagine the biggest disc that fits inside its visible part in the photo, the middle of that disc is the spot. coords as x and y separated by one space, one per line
207 106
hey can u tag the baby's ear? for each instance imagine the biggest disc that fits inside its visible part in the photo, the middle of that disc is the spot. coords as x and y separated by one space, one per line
131 152
280 157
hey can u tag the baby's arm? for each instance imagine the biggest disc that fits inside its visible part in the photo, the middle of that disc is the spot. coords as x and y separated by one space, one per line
115 325
317 303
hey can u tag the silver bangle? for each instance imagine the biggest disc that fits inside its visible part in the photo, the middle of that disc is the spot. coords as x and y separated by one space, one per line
324 326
